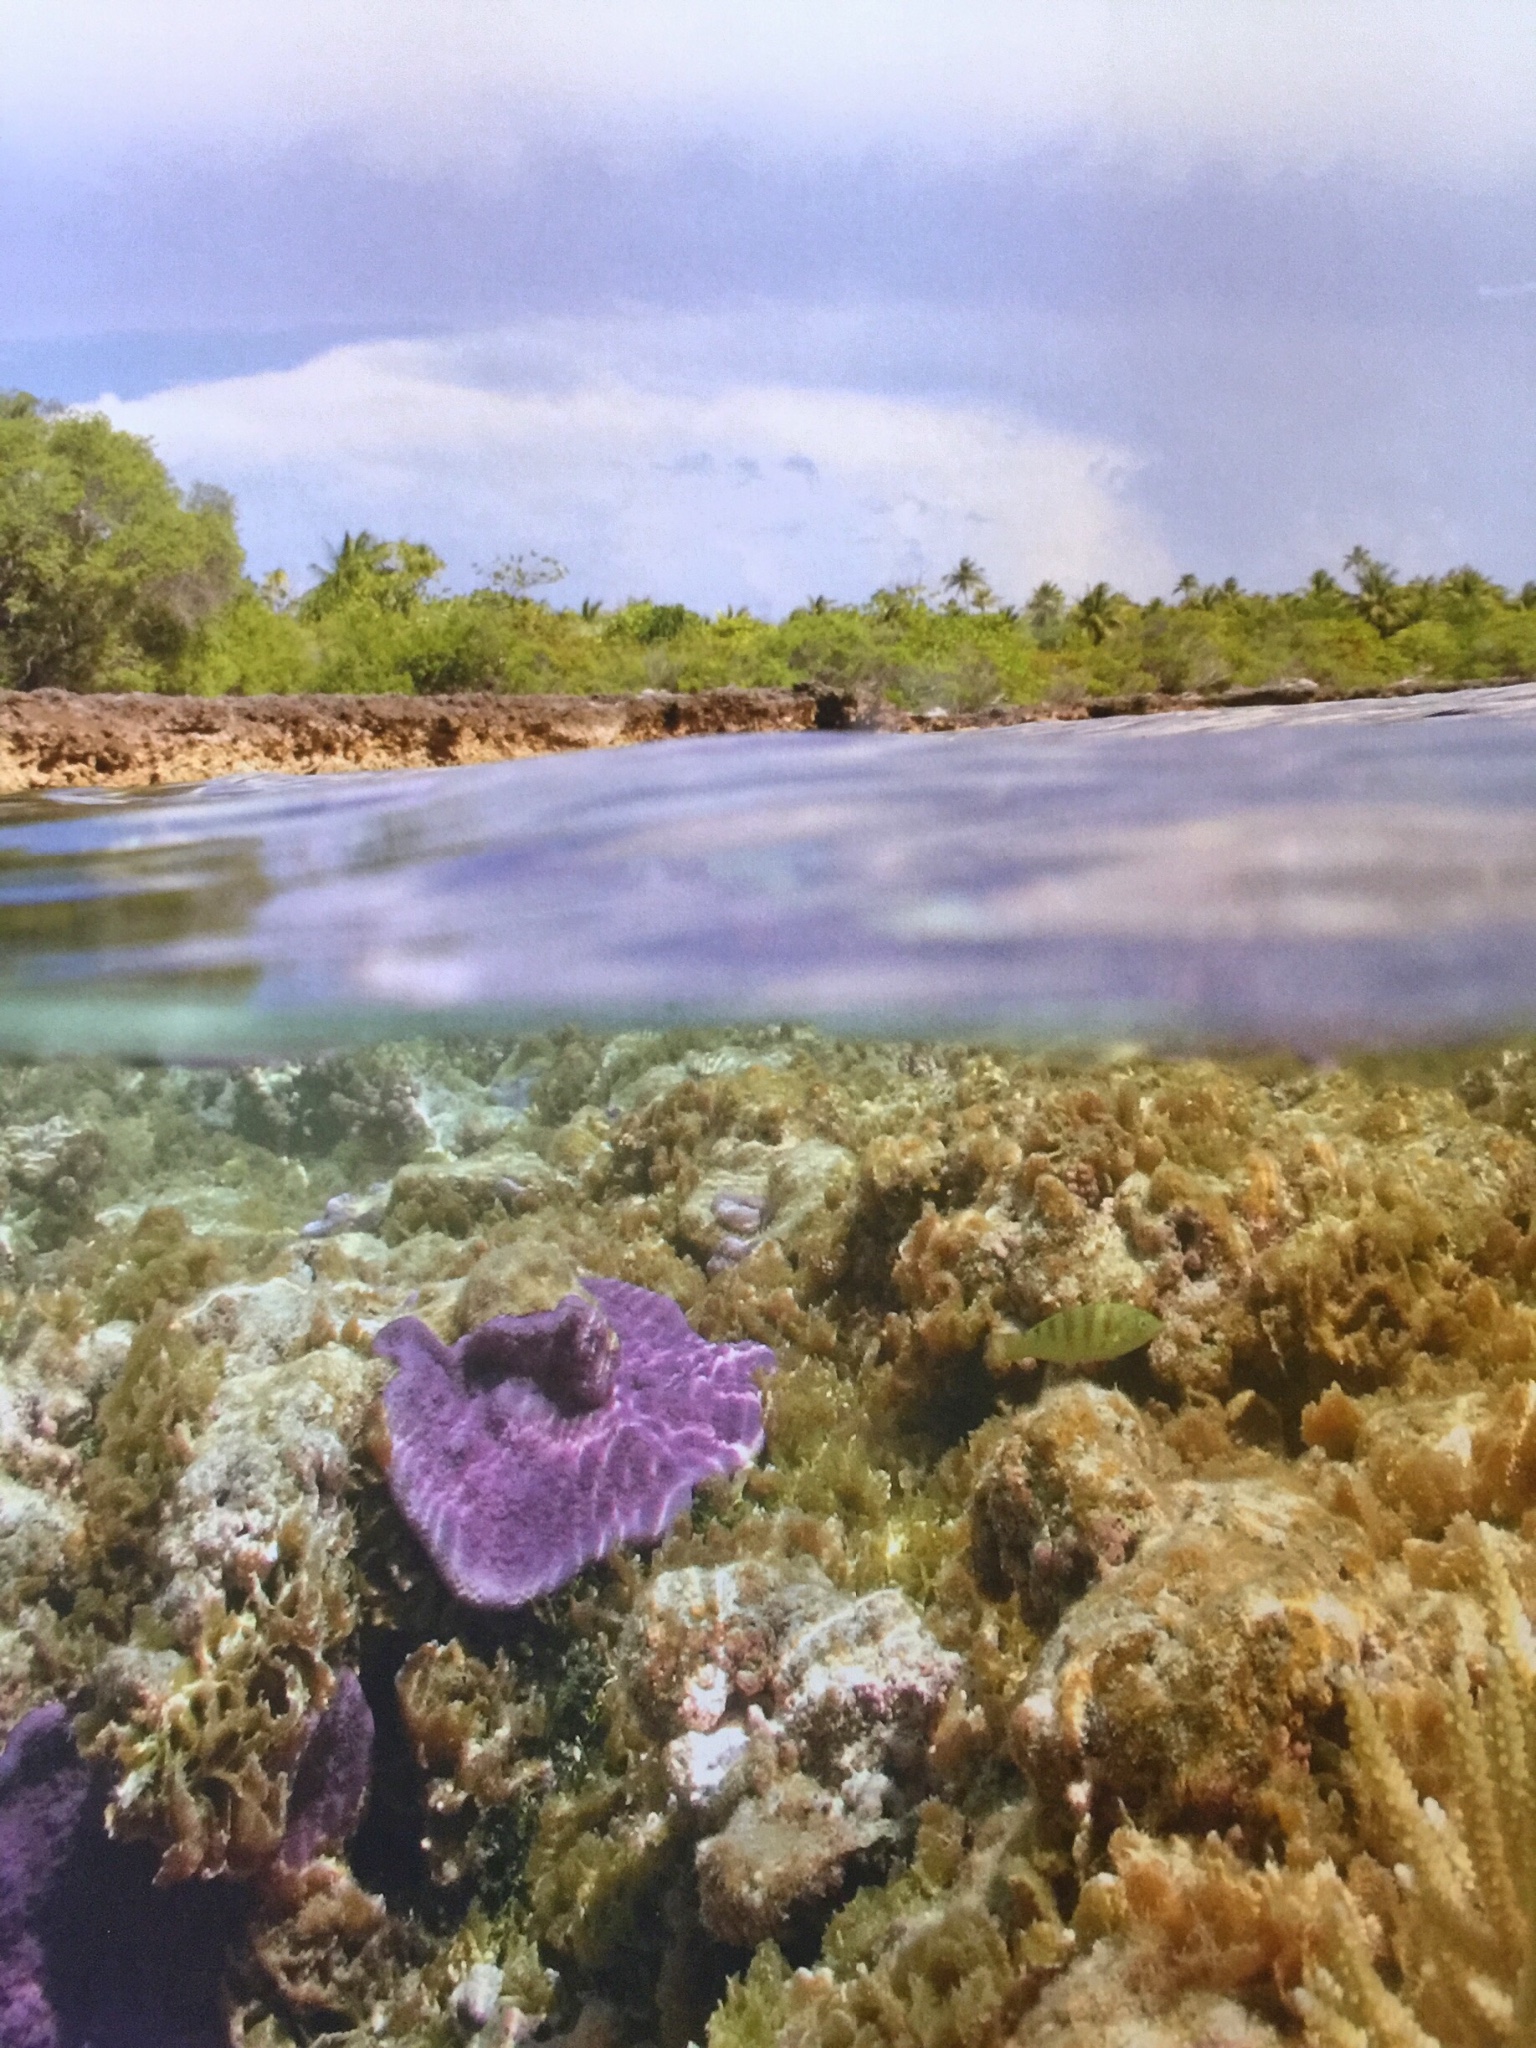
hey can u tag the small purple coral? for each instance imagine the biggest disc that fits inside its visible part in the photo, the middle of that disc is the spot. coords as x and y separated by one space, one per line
539 1443
93 1954
330 1784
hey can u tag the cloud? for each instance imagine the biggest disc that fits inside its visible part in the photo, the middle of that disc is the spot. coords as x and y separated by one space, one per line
1422 90
749 492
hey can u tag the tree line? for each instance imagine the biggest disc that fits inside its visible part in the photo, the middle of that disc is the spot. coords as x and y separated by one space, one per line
111 578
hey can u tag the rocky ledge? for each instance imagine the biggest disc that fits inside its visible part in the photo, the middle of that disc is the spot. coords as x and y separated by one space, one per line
60 739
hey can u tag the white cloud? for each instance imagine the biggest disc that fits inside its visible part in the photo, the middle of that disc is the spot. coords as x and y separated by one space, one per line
1414 87
751 492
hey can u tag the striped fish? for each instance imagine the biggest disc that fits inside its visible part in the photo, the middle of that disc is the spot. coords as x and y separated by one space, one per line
1088 1334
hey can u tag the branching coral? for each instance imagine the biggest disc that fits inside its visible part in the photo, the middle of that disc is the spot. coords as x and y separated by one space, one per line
1464 1932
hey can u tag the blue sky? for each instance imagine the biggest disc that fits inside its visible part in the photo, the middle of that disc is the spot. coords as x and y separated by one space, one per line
740 300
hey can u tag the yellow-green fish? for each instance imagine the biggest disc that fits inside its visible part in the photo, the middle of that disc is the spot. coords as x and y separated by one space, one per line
1088 1334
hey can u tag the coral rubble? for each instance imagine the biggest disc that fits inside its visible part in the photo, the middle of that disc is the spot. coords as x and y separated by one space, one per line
437 1645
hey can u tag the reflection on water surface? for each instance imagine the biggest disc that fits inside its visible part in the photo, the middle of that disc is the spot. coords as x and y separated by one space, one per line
1321 877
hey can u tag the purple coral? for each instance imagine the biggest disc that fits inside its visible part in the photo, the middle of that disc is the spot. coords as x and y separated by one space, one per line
92 1953
330 1784
539 1443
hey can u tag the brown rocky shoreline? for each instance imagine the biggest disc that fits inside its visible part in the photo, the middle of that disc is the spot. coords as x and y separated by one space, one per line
58 739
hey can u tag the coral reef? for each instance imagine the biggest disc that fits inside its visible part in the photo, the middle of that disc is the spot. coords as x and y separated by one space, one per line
964 1688
1463 1913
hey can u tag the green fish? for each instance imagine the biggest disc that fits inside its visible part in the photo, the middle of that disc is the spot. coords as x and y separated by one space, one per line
1088 1334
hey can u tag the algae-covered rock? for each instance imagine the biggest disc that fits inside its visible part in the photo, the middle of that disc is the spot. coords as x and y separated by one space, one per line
1176 1688
1067 1493
1105 2001
1437 1457
782 1850
50 1175
799 1722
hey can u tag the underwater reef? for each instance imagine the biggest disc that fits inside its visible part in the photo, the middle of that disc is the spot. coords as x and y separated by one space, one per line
636 1540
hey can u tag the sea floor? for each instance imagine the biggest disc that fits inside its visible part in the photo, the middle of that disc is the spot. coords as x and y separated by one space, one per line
1186 1696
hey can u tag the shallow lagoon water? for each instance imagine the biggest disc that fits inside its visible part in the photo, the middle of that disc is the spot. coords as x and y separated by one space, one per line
1330 875
988 1703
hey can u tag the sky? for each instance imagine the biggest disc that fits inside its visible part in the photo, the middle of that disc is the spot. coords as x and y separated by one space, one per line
737 302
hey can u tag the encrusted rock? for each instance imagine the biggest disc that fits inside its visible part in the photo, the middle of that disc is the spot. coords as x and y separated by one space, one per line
749 1192
784 1850
799 1720
1430 1460
860 1689
1111 1998
704 1643
1174 1687
263 1323
1066 1494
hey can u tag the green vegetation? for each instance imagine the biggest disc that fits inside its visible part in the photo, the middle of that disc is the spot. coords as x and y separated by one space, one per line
111 578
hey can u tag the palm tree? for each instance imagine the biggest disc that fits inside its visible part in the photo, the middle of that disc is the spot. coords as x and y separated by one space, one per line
349 565
1377 595
1097 611
392 574
968 585
1046 607
1187 589
1469 583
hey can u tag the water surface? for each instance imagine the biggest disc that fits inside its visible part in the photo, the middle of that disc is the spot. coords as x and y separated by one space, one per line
1322 876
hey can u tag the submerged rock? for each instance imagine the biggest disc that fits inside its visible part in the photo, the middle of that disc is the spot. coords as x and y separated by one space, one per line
1175 1687
780 1851
537 1444
804 1717
1068 1492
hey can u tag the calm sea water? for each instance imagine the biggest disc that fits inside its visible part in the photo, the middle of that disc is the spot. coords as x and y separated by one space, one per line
1324 877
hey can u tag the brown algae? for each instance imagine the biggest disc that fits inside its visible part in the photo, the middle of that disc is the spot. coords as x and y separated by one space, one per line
1152 1691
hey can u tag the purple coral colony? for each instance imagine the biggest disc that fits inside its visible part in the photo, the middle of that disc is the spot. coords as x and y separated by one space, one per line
539 1443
